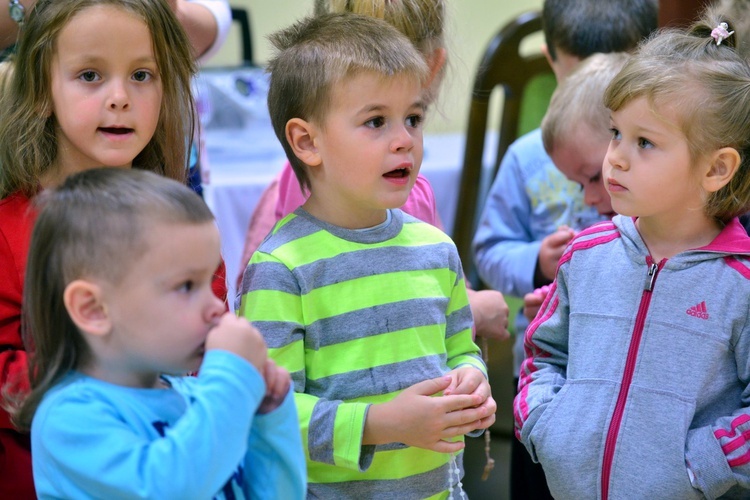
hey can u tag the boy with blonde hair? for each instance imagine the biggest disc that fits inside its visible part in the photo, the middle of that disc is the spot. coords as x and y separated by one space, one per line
365 305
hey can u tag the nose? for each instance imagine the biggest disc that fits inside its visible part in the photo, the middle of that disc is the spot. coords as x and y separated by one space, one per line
214 308
614 157
118 97
403 140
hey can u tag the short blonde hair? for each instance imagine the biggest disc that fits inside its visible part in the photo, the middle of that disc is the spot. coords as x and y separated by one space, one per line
579 99
317 53
709 86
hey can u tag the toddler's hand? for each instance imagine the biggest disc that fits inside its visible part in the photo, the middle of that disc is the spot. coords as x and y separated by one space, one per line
237 335
420 417
533 301
278 382
490 313
552 249
469 380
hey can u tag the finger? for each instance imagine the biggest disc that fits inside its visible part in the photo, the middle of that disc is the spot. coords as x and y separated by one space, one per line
451 387
455 403
430 387
447 446
462 430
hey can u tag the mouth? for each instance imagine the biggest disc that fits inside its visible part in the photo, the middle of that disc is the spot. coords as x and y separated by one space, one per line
116 130
398 173
613 185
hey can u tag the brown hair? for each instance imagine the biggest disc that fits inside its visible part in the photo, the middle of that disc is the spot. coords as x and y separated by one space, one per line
28 145
93 225
709 85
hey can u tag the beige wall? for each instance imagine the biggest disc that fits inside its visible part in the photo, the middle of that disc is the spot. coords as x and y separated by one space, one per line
471 24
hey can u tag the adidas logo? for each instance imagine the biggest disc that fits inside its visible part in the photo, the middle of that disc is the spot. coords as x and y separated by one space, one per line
698 310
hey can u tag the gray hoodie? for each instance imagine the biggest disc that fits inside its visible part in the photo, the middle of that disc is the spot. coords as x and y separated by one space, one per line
637 371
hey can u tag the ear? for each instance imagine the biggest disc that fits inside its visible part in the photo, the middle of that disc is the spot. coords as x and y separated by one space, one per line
85 305
301 136
436 62
722 167
545 51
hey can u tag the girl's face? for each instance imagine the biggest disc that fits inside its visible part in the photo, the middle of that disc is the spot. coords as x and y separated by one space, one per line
106 89
648 170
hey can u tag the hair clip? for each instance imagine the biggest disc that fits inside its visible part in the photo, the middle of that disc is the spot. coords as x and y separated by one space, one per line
721 33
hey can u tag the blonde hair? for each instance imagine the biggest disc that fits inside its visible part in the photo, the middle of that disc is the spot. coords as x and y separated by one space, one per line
709 86
28 144
579 99
422 21
739 11
317 53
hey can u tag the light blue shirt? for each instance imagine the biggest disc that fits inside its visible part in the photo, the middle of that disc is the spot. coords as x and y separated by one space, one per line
200 438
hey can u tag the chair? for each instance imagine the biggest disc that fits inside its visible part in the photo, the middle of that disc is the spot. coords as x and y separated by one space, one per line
241 16
505 67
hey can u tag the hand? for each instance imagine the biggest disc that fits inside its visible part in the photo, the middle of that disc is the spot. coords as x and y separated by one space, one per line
533 301
278 382
469 380
552 249
237 335
416 418
490 313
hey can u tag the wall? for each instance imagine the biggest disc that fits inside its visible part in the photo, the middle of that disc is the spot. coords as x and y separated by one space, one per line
471 25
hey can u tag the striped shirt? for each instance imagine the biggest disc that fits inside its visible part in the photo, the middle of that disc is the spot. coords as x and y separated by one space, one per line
357 316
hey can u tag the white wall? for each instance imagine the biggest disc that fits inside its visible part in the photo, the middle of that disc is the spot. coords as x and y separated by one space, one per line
471 25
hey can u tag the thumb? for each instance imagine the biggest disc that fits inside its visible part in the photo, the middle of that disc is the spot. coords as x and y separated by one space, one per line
562 237
431 386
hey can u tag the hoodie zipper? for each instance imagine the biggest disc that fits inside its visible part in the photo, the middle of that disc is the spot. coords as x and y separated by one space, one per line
627 376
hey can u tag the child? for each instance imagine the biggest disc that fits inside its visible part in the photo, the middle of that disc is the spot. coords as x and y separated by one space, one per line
576 136
423 22
364 305
118 301
97 83
532 211
636 377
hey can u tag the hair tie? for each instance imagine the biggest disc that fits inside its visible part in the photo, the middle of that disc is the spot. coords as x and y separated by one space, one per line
721 33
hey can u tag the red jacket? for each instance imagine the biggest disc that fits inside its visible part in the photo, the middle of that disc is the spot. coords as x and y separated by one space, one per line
17 218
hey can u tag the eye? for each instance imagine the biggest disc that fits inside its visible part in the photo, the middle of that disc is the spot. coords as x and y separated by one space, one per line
414 121
596 179
645 143
186 287
89 76
376 122
141 76
615 134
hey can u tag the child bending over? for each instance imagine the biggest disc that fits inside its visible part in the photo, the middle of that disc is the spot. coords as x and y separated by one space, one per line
365 306
119 303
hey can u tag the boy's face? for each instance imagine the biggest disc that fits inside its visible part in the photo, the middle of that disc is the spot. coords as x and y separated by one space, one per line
106 90
579 156
370 149
163 308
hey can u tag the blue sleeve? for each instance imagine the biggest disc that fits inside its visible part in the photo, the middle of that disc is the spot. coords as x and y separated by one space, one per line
88 446
504 246
275 463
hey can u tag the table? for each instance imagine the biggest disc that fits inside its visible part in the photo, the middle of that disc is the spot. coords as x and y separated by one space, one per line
244 156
